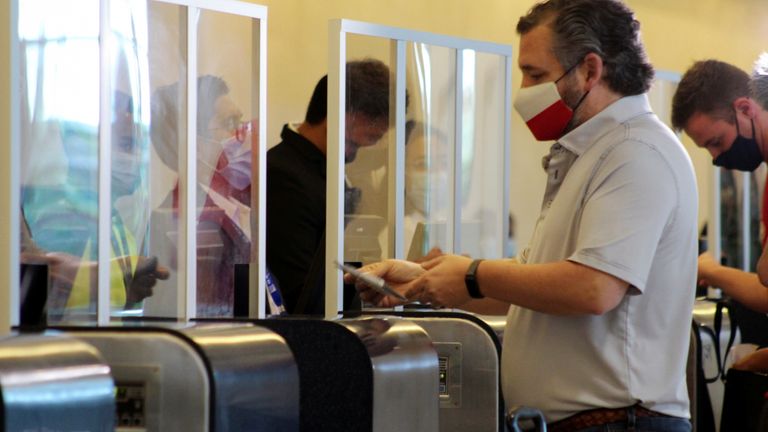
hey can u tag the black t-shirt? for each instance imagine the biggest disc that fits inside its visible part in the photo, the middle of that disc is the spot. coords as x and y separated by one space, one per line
295 212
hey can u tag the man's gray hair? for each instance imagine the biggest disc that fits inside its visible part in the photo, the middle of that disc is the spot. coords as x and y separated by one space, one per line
607 28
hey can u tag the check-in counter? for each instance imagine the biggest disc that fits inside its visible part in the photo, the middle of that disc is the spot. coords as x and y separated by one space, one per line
375 374
54 383
469 355
196 377
497 323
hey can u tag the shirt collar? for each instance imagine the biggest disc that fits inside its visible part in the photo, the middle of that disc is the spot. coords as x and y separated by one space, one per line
624 109
290 134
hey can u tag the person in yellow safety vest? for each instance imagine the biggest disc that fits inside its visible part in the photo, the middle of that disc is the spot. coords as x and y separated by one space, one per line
63 218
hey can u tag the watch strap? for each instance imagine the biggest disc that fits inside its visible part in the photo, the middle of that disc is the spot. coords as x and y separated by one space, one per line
470 280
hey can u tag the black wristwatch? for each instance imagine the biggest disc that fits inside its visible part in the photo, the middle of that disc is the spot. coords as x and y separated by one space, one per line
470 279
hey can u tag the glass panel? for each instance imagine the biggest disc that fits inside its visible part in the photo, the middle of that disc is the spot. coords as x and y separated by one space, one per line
731 218
482 153
59 133
368 101
168 128
227 130
132 271
429 150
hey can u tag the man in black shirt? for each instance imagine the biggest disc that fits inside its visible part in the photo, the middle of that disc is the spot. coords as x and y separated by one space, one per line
296 181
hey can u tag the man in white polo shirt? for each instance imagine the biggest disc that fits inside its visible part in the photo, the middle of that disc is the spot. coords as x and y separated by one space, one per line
599 305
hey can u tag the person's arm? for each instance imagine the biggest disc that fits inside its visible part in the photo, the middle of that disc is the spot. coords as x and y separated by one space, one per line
562 288
743 286
755 362
486 306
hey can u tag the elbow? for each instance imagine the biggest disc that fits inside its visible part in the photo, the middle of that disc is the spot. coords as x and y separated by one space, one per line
762 274
762 269
598 308
604 300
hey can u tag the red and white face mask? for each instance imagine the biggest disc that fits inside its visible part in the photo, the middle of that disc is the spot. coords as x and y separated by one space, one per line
543 110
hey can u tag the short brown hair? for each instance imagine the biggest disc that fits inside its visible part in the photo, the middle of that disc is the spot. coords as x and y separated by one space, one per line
367 92
708 87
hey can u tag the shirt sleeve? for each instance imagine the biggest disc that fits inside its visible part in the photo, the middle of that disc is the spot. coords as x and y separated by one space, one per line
628 205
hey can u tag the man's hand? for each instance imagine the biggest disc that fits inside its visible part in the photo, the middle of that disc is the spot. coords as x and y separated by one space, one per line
755 362
432 254
144 278
443 283
707 267
398 275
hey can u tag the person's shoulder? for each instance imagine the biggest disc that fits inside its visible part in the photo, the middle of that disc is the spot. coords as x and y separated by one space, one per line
281 156
280 150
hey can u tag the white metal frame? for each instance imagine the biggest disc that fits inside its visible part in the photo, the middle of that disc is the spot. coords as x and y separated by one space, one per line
105 179
9 293
338 30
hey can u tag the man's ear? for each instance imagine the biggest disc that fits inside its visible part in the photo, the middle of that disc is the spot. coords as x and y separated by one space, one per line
747 106
593 67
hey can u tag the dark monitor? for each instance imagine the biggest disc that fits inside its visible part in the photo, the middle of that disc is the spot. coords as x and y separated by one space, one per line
34 295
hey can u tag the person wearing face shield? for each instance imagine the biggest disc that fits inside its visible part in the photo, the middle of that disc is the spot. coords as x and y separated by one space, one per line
296 181
714 106
599 305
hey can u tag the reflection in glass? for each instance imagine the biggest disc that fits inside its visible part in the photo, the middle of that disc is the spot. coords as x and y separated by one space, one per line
430 156
133 272
144 125
226 133
60 117
60 123
482 155
168 126
429 150
226 136
367 139
732 218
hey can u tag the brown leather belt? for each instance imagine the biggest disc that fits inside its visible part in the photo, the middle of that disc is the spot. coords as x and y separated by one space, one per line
598 417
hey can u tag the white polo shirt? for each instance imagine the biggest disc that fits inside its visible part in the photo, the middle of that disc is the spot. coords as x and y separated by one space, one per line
621 198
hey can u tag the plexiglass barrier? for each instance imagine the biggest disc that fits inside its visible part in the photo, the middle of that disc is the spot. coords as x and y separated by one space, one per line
421 160
140 123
